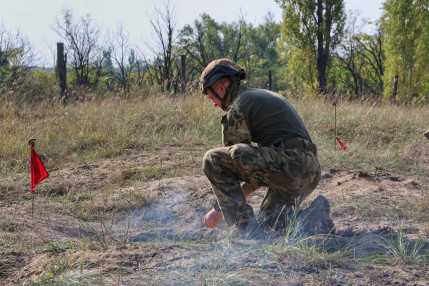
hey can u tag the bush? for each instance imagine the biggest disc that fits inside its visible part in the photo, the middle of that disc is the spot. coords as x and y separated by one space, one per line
35 86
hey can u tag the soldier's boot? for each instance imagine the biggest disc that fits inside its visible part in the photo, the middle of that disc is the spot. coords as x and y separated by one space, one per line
246 226
274 210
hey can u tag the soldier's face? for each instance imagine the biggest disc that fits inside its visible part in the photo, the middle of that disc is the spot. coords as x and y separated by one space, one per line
219 89
216 102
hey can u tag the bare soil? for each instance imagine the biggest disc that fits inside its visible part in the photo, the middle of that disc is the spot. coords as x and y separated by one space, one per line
160 240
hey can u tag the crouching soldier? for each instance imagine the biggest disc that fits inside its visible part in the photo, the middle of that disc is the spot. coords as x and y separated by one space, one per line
265 144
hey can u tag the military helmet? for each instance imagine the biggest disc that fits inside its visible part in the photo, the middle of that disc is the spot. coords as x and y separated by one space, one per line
218 69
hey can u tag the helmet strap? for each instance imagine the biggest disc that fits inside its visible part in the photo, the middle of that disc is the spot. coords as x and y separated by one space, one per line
222 100
230 94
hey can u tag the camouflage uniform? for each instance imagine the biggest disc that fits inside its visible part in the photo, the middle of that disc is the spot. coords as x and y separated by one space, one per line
266 144
289 168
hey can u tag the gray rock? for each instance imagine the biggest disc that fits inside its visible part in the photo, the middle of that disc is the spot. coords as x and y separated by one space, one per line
316 219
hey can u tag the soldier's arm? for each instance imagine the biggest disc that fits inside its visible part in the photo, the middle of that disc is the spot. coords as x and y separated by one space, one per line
234 128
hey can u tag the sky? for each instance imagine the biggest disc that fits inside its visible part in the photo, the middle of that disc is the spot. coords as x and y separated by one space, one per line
35 19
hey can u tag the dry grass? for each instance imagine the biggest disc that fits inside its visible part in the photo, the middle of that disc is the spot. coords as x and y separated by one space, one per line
146 173
377 135
109 200
383 135
102 129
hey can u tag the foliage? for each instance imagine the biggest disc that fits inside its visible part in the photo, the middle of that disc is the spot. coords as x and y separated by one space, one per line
315 27
252 47
81 40
15 60
312 49
406 28
358 64
259 52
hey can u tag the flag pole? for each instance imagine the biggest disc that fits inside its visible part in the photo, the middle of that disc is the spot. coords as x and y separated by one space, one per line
38 173
31 143
335 122
32 205
32 220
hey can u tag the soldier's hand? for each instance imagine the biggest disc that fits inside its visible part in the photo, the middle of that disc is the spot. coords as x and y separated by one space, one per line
212 218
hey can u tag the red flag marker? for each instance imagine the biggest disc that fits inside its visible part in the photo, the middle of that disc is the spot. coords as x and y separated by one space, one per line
341 144
38 171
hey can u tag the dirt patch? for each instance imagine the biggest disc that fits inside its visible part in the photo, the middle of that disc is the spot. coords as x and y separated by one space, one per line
164 241
11 263
177 213
374 200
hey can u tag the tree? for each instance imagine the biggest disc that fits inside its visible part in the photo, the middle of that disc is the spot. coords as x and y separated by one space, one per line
164 27
208 40
15 58
406 40
361 56
252 47
124 58
140 67
374 58
315 27
81 40
259 50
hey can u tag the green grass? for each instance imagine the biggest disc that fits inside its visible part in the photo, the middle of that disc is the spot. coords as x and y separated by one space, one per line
402 250
57 246
52 275
398 250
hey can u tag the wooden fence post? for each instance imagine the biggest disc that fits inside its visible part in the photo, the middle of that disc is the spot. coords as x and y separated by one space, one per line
62 69
183 73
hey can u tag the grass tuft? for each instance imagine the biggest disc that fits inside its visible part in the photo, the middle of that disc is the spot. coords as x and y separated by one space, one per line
403 250
57 246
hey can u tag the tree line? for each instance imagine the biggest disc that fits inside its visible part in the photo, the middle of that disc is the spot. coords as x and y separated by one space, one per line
317 48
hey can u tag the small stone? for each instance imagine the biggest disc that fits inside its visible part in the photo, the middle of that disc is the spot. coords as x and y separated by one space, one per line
363 174
427 134
326 175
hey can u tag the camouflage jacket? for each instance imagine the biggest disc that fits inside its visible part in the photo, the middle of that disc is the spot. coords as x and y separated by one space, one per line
262 117
234 126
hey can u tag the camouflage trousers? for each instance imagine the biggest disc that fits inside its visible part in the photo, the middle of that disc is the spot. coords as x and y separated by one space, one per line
290 170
